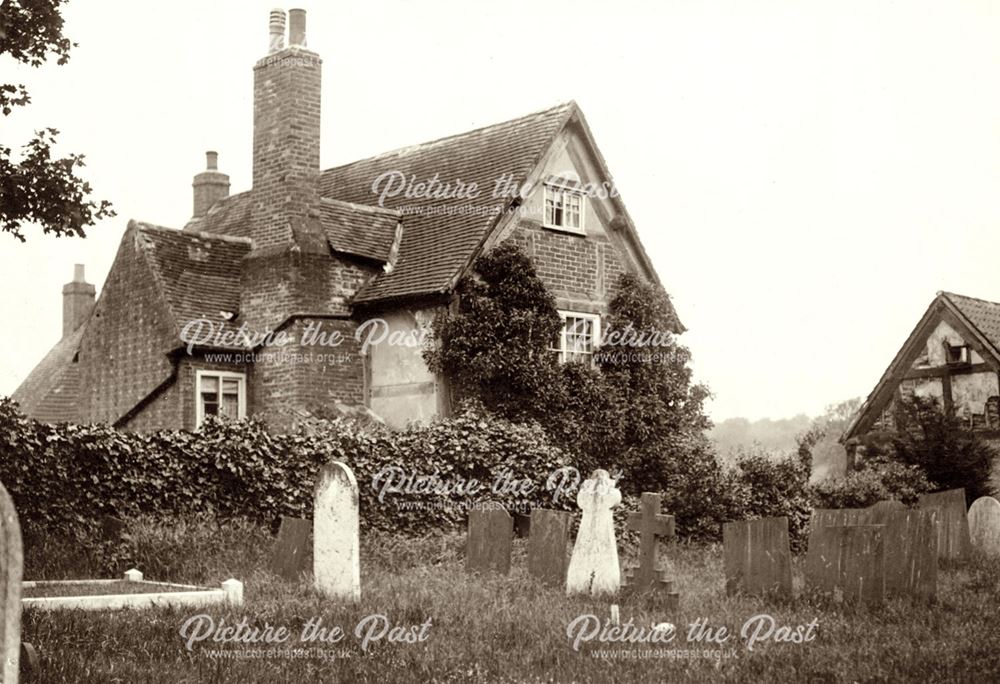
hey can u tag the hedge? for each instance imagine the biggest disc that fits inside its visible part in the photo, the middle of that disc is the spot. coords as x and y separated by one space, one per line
66 479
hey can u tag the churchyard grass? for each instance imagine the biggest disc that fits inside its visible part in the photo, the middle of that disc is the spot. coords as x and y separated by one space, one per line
490 628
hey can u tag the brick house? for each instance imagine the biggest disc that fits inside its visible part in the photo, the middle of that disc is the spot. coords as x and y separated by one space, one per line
952 356
237 313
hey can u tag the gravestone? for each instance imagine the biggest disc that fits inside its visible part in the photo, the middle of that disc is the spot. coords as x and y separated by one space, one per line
522 525
758 559
847 559
11 568
827 517
336 557
910 552
984 525
549 535
289 556
491 534
879 512
651 526
593 567
952 523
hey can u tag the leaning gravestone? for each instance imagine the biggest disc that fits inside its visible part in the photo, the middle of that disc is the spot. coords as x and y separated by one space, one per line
952 523
984 525
336 557
547 540
593 568
11 567
289 557
758 559
491 533
847 559
910 552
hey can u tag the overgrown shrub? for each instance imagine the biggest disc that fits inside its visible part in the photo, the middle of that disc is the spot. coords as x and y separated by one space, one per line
875 481
762 486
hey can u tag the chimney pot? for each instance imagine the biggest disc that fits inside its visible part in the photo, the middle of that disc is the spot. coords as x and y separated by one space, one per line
78 273
297 27
212 161
276 27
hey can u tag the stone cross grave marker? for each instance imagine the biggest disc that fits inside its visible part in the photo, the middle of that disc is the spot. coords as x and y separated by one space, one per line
984 525
952 523
652 526
848 559
547 540
491 534
593 567
336 556
11 568
758 559
289 557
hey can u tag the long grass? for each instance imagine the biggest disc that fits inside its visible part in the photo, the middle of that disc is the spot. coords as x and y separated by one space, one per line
486 628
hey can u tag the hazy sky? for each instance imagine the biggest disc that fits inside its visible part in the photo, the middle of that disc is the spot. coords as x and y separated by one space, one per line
804 175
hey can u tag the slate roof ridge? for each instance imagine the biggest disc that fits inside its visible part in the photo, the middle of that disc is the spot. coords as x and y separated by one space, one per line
370 208
570 106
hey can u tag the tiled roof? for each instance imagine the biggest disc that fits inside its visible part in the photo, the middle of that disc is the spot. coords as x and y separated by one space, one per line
356 229
51 393
436 246
366 231
198 273
228 216
984 315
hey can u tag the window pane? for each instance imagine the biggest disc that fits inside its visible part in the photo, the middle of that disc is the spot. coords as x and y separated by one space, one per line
230 386
230 407
573 210
209 384
210 407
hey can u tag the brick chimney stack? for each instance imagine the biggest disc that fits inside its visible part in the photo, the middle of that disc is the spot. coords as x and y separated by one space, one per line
286 136
78 301
209 186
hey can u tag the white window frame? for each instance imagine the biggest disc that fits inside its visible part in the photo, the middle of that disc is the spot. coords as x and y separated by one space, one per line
563 351
200 410
549 188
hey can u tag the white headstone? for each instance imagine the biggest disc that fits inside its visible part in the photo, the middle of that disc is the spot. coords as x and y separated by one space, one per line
234 591
336 559
593 567
11 567
984 525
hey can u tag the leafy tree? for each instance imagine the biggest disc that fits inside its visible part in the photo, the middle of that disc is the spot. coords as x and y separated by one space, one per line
925 436
636 411
39 188
496 346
